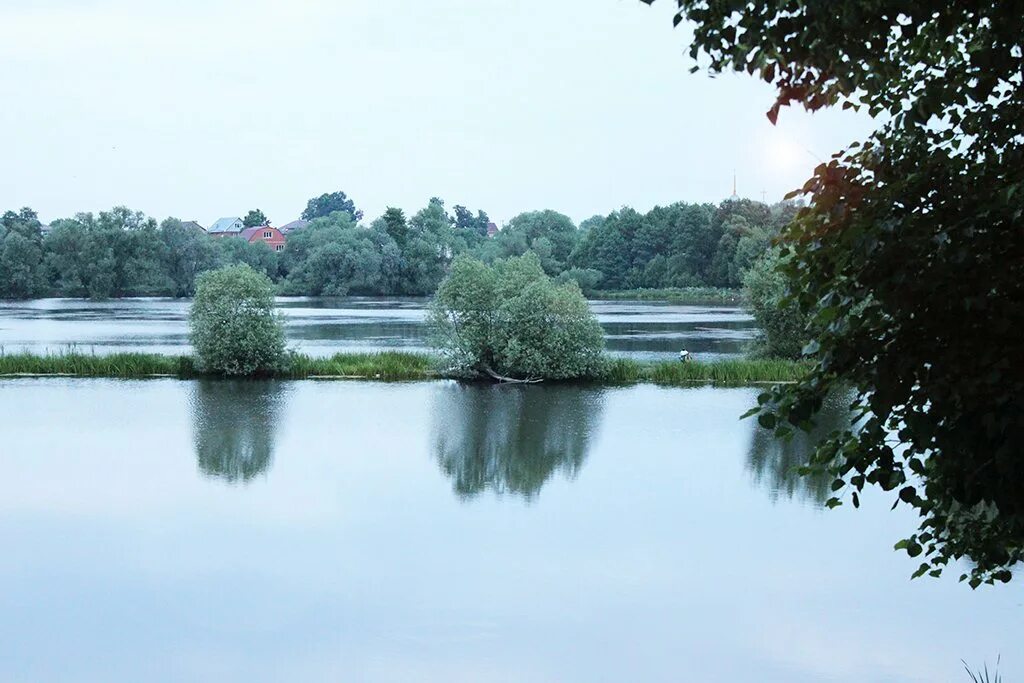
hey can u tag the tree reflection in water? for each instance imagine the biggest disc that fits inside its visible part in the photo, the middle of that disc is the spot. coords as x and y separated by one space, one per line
511 439
233 425
773 463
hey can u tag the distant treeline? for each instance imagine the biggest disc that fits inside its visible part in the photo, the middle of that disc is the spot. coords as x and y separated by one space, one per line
125 253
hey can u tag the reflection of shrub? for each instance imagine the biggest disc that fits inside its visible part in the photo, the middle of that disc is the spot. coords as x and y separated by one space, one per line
776 463
511 319
235 330
233 425
512 439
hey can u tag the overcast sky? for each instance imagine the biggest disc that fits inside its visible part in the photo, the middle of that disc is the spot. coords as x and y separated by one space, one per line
207 108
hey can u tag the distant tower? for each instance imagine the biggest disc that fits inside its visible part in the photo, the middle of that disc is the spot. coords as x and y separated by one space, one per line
734 195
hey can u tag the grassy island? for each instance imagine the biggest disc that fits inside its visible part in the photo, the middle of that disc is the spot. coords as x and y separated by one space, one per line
698 296
389 366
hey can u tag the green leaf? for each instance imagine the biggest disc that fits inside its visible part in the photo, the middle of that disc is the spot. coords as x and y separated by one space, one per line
812 347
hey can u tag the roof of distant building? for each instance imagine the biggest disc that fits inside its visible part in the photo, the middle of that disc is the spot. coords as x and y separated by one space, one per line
492 229
229 224
249 232
294 225
193 224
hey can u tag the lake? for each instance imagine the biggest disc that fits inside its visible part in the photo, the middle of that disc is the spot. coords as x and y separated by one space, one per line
321 327
168 530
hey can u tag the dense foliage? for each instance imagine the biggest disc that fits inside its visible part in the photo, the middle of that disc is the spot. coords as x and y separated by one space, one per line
328 203
125 253
910 257
234 327
115 253
21 255
682 245
512 320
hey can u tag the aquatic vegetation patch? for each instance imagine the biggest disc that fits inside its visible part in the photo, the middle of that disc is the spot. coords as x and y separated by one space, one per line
387 366
726 371
709 296
72 363
392 366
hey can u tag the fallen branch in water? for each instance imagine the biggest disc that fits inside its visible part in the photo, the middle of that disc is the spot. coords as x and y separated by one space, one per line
510 380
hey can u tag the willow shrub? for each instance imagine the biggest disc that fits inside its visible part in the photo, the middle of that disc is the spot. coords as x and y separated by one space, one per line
234 327
511 319
782 324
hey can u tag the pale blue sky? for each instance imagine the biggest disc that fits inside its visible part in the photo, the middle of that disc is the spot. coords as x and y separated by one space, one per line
202 109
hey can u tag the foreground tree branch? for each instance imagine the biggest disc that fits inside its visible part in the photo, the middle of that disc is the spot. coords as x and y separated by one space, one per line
909 260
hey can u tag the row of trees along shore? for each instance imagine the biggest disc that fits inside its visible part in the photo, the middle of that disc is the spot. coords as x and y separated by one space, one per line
121 252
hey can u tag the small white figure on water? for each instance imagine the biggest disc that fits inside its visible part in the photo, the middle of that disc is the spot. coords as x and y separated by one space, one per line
684 356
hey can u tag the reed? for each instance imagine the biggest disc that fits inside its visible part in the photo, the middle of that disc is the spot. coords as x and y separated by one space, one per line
622 371
388 366
983 675
123 365
728 371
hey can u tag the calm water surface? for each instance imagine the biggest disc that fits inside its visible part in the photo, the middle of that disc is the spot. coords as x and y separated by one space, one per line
217 531
322 327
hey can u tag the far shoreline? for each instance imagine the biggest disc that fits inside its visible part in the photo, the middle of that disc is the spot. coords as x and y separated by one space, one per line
695 296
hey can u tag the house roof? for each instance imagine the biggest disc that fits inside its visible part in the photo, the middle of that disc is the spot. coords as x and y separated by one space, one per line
294 225
192 224
229 224
249 232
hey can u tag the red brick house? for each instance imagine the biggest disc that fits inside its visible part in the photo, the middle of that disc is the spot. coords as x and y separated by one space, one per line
272 237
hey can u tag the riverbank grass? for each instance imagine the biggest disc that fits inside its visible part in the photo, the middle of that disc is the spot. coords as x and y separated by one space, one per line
388 366
726 371
75 364
392 366
706 296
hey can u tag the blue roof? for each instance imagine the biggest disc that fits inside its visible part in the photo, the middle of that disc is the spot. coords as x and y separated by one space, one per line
230 224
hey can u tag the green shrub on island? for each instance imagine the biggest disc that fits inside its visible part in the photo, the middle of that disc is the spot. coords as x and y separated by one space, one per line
783 326
234 327
509 320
